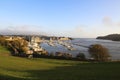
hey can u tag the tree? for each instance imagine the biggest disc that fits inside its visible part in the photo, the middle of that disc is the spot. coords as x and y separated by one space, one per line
52 55
81 56
99 52
67 55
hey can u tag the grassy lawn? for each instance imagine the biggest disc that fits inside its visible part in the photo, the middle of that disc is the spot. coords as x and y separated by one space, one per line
15 68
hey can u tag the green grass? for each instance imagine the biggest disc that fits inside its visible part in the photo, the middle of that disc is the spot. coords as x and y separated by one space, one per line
4 51
16 68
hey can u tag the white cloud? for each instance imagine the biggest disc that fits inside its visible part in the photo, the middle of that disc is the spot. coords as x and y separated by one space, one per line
107 21
108 26
24 29
78 31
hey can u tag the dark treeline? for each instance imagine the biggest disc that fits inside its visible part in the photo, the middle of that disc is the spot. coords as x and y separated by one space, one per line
62 56
113 37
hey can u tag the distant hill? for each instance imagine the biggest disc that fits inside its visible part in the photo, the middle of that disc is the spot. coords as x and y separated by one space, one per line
113 37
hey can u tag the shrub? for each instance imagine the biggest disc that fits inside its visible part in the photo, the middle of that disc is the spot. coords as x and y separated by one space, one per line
81 56
63 55
52 55
67 55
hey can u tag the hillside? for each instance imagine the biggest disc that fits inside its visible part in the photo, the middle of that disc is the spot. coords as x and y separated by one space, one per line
16 68
113 37
4 51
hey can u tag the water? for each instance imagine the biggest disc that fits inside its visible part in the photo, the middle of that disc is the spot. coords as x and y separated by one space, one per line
113 47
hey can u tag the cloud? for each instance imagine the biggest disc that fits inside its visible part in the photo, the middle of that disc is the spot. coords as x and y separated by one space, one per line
77 31
118 24
24 29
108 26
107 21
93 30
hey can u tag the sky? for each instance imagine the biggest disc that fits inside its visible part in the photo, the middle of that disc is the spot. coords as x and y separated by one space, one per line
70 18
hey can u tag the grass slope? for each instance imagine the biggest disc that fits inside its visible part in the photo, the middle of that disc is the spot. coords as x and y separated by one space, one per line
15 68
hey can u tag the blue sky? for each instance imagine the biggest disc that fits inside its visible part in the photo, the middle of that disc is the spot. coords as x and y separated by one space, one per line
74 18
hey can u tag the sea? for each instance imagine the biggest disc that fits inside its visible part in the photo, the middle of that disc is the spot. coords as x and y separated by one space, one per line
81 46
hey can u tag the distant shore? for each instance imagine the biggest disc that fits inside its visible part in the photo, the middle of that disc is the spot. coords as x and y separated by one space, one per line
113 37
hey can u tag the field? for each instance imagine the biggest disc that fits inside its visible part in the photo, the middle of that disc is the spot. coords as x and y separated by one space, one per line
16 68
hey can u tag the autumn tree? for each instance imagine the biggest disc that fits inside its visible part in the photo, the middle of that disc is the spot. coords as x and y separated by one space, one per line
99 52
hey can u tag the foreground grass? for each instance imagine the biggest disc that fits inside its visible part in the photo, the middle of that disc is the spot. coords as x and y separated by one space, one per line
15 68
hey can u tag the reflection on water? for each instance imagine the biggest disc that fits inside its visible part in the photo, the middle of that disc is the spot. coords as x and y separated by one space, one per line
113 47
